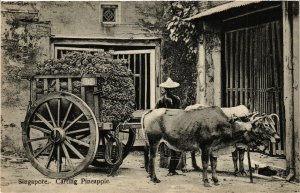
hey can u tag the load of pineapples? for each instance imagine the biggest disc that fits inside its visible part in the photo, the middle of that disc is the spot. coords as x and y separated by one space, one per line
115 84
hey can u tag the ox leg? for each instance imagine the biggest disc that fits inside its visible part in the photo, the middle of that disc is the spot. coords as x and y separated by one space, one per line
235 160
205 160
153 149
146 158
241 162
213 164
194 162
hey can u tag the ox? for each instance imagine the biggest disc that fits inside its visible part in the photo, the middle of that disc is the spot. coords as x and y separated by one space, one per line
207 129
241 113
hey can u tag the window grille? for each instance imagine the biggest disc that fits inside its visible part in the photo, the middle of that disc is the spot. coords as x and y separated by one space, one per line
110 13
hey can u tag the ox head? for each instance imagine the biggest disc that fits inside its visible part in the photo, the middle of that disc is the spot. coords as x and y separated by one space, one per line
259 130
263 129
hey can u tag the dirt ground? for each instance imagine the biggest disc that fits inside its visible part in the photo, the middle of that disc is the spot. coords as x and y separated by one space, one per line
131 177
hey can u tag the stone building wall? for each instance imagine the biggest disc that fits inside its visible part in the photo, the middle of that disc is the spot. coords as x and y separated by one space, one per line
25 41
84 19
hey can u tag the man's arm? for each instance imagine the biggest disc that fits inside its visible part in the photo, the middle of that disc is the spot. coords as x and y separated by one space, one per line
178 102
159 104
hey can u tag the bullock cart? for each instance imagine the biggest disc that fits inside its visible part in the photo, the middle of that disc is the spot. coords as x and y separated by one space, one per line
64 132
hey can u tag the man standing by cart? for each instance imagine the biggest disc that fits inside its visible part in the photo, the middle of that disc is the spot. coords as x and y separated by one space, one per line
170 101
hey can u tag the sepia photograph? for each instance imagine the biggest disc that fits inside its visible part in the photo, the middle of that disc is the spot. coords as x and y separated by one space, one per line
150 96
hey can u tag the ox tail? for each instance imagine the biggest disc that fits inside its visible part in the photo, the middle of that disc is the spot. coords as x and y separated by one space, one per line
147 145
143 127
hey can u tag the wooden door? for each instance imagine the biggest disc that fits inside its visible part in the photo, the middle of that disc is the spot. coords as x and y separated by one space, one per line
253 71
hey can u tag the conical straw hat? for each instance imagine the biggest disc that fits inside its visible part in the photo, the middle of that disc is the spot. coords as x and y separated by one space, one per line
169 84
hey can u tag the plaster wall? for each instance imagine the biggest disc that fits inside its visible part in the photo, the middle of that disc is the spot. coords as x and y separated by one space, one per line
84 19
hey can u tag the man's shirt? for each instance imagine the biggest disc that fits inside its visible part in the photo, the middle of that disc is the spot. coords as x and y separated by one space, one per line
171 102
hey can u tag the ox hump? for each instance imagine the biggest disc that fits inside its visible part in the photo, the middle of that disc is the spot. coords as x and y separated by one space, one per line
153 115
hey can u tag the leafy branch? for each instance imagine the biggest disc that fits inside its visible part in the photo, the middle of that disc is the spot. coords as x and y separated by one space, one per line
182 31
179 41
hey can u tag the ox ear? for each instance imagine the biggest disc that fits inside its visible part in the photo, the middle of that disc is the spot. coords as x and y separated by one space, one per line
242 126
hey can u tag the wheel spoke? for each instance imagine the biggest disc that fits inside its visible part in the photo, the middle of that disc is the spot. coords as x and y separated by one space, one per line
77 131
74 149
67 155
39 138
50 114
42 150
49 157
58 159
40 129
75 120
78 141
44 120
67 114
83 136
58 112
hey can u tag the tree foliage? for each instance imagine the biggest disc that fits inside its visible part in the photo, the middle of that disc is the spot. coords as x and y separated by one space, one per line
179 42
181 31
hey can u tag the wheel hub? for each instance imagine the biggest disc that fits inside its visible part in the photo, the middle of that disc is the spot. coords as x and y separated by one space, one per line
58 135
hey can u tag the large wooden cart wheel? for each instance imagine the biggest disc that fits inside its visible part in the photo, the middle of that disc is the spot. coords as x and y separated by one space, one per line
127 139
60 135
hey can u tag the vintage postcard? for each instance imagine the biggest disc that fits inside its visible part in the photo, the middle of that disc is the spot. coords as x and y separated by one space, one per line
150 96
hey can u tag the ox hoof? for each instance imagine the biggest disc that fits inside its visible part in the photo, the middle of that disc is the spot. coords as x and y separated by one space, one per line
240 174
197 168
184 170
206 183
155 180
236 173
217 183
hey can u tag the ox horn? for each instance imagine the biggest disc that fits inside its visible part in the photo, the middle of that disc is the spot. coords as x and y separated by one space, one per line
256 119
271 122
253 116
275 115
271 118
